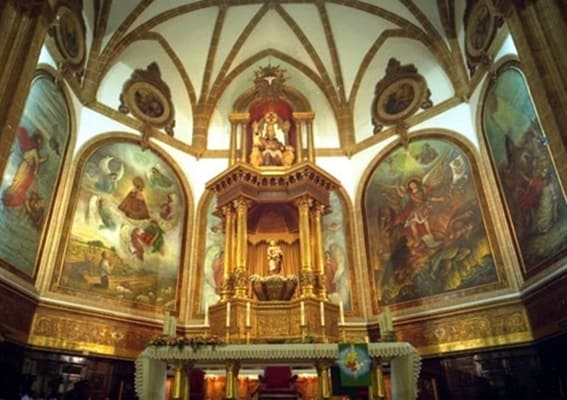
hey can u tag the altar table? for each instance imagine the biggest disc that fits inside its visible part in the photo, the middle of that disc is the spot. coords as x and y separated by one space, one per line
151 364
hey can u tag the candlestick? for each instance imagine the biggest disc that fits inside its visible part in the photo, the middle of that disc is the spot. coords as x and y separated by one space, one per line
381 323
172 326
388 319
302 312
247 314
206 314
165 329
322 310
228 314
342 312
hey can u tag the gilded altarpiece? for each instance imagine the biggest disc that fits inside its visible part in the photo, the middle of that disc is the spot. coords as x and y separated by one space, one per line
528 181
32 173
424 224
125 243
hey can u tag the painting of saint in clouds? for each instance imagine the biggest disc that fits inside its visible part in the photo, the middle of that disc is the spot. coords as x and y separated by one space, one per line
424 224
126 237
527 176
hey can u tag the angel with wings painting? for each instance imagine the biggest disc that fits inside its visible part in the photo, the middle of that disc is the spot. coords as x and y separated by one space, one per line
418 198
430 236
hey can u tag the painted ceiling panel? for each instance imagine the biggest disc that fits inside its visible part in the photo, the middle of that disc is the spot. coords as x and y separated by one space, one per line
237 18
190 36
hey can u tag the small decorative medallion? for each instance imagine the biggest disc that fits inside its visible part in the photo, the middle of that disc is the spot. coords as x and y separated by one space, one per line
481 25
399 95
148 98
68 33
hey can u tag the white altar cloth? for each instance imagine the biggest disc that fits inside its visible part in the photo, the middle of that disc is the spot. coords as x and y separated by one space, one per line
151 364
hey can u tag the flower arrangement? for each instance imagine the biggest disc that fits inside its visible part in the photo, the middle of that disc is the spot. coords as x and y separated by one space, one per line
195 342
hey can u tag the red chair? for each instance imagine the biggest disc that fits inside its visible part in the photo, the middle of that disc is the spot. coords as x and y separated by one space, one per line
277 383
197 389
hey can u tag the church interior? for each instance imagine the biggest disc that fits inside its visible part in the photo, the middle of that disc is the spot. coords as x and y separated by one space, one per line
282 177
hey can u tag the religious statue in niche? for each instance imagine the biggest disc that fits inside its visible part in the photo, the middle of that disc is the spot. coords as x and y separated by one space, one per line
275 257
268 143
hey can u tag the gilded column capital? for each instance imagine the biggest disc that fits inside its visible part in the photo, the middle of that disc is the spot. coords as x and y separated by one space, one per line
227 210
304 202
241 204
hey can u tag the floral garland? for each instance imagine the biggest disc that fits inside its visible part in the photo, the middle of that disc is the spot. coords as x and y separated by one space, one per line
195 342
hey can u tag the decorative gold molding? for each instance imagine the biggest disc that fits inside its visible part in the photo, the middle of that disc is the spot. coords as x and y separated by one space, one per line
84 333
496 326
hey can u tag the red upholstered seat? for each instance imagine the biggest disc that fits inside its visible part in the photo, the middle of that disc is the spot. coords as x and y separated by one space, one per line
278 382
197 390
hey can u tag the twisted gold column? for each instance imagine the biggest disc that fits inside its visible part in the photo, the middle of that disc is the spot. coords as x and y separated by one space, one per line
228 264
306 274
318 251
241 277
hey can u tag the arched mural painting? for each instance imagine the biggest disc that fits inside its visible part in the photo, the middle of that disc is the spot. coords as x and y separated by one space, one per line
127 233
337 260
424 227
213 262
526 174
32 172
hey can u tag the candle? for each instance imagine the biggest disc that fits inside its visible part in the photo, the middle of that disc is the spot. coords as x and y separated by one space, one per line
248 314
381 323
228 314
342 312
302 312
165 330
322 309
206 314
388 319
172 326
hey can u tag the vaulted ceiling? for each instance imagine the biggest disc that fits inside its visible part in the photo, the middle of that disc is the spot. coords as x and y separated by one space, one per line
334 52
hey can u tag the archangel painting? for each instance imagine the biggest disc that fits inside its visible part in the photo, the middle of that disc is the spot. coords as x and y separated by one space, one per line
528 180
425 231
126 237
32 173
337 263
